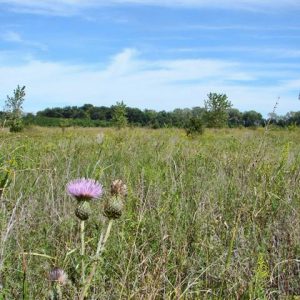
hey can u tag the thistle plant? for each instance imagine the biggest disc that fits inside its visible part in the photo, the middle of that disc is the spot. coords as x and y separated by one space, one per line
84 190
58 278
113 209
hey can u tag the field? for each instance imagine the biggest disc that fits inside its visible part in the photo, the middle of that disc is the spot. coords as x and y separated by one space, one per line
214 217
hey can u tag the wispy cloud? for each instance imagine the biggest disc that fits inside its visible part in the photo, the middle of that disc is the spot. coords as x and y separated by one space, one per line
275 51
11 36
158 84
232 27
69 7
15 37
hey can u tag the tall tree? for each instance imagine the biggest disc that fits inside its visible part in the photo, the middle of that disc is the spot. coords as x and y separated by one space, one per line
14 109
252 118
216 110
119 116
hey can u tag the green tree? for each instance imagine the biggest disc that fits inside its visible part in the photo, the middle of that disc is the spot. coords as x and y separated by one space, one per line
14 109
134 116
235 118
119 116
293 118
216 110
252 118
150 118
179 117
63 124
194 127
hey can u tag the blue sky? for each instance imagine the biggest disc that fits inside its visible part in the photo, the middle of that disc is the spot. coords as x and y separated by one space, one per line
151 54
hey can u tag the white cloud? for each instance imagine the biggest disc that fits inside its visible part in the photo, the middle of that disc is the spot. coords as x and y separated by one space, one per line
161 84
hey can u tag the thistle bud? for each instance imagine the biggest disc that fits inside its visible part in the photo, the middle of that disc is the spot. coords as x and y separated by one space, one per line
113 208
58 275
118 188
83 211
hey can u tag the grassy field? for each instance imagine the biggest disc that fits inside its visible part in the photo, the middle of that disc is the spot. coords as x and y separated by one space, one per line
215 217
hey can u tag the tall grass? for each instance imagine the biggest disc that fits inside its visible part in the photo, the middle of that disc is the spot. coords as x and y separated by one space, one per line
211 217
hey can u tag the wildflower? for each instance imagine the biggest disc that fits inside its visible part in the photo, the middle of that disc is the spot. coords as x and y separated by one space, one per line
84 189
58 275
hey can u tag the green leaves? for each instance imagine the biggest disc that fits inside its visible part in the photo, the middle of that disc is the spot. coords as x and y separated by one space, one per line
217 106
14 109
119 115
194 127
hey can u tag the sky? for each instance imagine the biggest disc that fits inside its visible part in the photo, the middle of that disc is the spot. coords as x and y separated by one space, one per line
155 54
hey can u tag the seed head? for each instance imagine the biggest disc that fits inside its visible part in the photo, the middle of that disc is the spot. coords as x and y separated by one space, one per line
118 188
83 210
84 189
113 208
58 275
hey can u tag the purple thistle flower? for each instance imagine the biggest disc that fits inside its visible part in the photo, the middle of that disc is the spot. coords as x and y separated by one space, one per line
84 189
58 275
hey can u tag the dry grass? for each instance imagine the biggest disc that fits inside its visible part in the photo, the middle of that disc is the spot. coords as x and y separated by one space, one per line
213 217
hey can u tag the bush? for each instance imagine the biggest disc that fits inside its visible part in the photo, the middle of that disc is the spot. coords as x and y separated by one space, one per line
16 125
194 127
14 109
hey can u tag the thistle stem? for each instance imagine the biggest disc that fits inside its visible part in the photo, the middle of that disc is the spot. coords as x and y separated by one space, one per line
82 252
101 244
56 292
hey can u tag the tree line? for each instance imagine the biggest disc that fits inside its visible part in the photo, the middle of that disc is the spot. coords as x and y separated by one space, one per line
89 115
216 113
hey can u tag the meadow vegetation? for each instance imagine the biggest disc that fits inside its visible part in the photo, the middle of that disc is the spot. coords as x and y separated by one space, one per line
211 217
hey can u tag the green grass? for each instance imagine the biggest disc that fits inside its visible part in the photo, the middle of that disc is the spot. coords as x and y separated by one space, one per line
215 217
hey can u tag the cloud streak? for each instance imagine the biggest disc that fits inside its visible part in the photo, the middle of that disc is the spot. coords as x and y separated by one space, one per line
71 7
274 51
15 37
11 36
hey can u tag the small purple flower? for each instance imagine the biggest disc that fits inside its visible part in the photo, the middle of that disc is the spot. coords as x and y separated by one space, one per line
58 275
84 189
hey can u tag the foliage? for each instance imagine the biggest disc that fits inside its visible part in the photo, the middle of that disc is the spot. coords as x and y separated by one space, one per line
119 118
57 122
217 106
252 119
194 126
235 118
260 279
14 109
63 124
93 116
293 118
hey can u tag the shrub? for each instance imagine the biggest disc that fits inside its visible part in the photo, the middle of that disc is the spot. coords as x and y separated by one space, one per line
14 109
194 127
